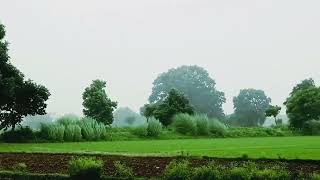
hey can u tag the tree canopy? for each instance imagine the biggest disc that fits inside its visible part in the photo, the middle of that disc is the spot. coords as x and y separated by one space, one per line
303 105
96 103
196 84
173 104
18 97
274 112
250 107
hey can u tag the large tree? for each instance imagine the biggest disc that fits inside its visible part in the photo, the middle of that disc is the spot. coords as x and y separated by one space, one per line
303 105
18 97
173 104
196 84
250 107
96 103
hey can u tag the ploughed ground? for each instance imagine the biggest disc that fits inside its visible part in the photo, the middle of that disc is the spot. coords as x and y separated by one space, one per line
142 166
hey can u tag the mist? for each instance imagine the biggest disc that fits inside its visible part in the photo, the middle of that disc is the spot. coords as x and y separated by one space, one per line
64 45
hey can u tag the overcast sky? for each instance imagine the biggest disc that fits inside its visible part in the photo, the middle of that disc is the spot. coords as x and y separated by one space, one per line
65 44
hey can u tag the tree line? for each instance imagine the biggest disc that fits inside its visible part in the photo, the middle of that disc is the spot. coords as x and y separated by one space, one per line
186 89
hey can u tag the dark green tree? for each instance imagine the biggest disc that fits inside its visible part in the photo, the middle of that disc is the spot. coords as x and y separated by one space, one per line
18 97
173 104
96 103
273 111
305 84
250 107
196 84
303 105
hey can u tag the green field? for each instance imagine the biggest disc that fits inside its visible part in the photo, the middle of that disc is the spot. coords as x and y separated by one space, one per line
270 147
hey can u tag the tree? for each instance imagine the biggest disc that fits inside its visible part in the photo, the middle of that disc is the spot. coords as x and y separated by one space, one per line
305 84
274 112
173 104
130 120
303 105
96 103
18 97
196 84
250 107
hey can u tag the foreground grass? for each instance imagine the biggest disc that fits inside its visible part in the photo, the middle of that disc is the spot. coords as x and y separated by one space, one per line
269 147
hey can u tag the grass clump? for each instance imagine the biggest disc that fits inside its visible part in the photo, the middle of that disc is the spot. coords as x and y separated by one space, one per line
217 128
206 173
72 133
123 171
177 171
154 128
53 132
141 131
20 167
184 124
202 122
85 168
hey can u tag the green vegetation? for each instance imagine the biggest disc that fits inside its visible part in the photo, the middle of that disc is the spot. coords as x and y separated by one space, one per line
96 103
123 171
271 147
85 168
165 110
247 171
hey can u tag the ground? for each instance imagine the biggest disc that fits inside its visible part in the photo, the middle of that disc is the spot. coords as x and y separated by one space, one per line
302 147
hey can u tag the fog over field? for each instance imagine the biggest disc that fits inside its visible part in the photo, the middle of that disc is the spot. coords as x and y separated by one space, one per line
270 45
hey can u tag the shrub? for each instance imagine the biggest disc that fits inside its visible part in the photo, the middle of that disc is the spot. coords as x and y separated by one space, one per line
312 127
154 127
22 134
21 167
87 128
123 171
271 174
217 128
72 133
85 168
206 173
54 132
184 124
177 171
202 122
315 176
141 130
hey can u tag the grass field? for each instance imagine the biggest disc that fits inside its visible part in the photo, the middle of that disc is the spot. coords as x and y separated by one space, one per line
270 147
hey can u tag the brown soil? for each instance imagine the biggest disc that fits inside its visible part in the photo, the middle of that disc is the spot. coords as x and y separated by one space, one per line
142 166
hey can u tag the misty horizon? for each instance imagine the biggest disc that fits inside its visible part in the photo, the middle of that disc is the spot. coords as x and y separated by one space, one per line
260 45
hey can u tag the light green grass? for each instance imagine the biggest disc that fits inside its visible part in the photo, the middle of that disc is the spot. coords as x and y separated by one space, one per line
270 147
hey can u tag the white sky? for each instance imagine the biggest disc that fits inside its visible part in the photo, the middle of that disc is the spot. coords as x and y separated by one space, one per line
263 44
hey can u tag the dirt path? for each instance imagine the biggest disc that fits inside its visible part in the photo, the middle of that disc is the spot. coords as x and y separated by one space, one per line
142 166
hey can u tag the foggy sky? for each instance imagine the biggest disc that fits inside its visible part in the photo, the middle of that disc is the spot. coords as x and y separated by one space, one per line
64 45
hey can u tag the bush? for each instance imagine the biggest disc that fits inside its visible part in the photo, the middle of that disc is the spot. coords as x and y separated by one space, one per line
53 132
184 124
154 127
122 171
72 133
217 128
20 135
315 176
202 122
87 128
177 171
21 167
206 173
85 168
312 127
271 174
141 131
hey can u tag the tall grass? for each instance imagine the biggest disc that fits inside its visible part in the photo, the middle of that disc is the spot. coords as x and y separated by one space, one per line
154 127
53 132
202 122
184 124
217 128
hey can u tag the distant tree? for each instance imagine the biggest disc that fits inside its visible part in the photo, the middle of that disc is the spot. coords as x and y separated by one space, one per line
130 120
96 103
18 97
303 106
196 84
173 104
273 111
250 107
